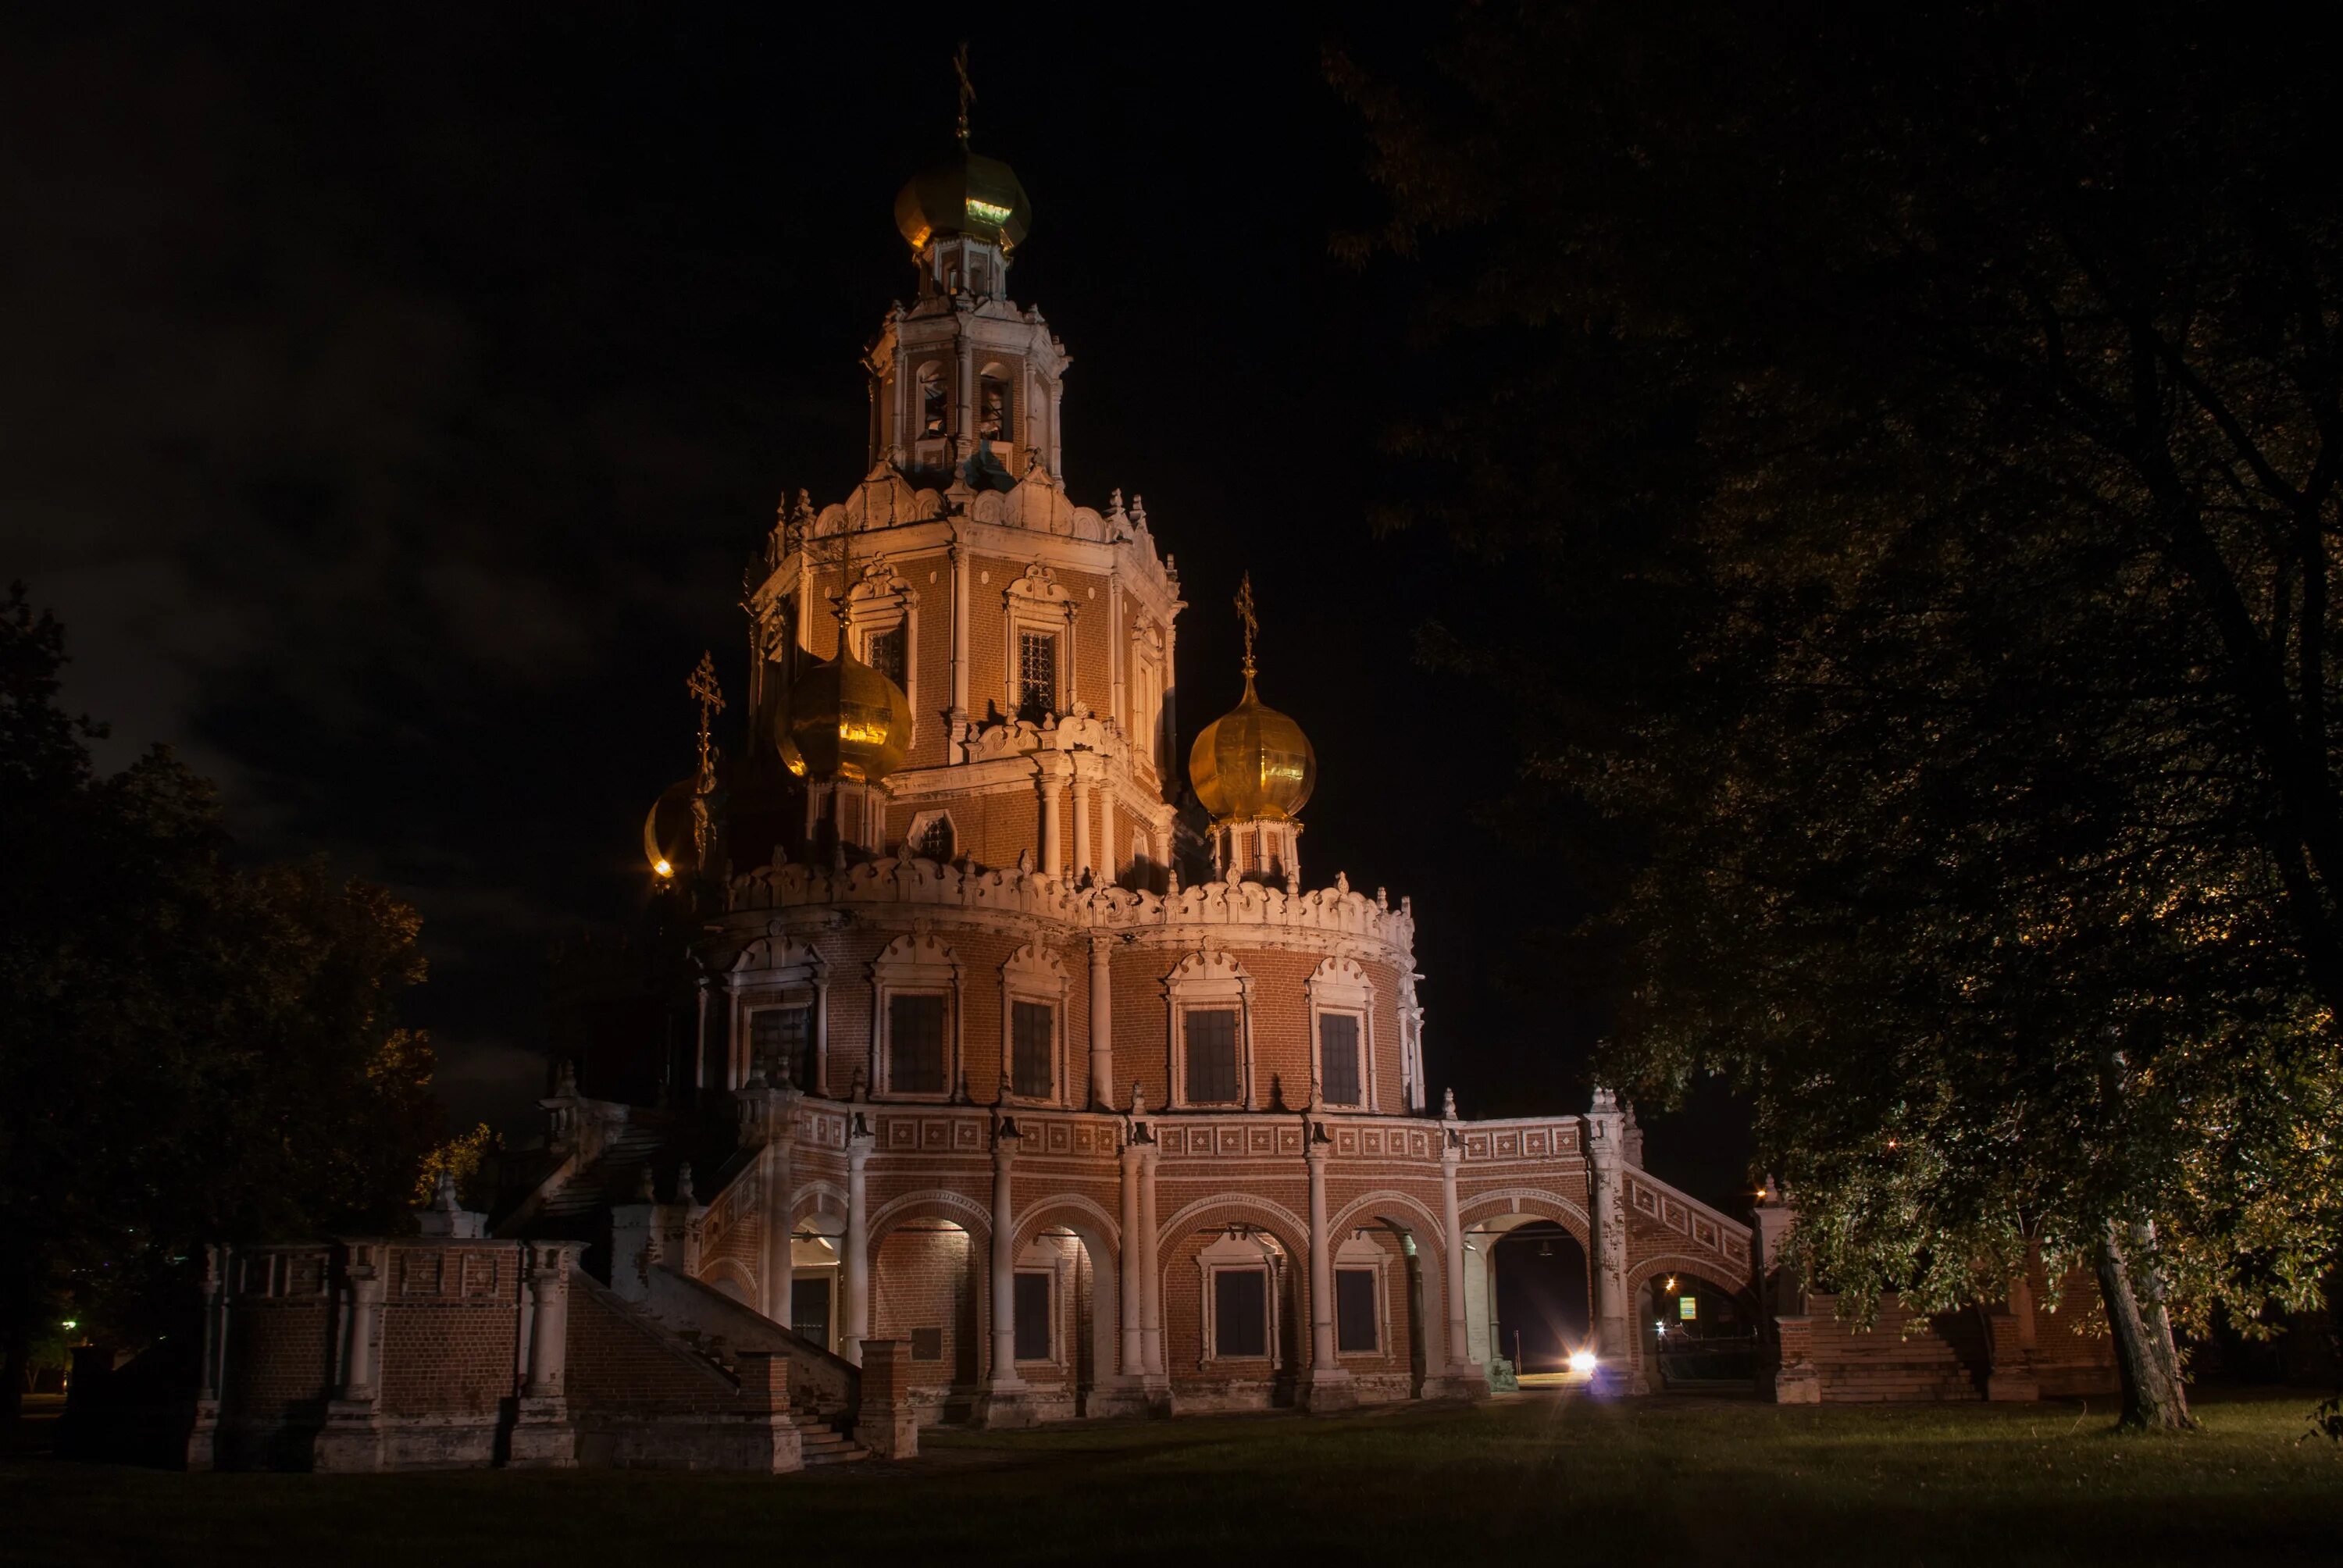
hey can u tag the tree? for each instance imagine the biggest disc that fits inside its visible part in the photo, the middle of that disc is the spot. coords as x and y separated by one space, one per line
190 1051
1925 428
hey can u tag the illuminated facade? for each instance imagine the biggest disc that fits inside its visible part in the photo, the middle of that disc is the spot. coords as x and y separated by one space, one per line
996 1092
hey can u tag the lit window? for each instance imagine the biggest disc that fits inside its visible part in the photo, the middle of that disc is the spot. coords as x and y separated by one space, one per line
915 1044
1030 1040
1338 1058
1688 1308
1037 674
1032 1310
1211 1056
1354 1311
780 1045
884 653
1239 1312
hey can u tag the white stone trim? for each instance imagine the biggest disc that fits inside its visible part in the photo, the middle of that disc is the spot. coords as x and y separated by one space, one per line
1338 986
1034 974
1036 602
914 965
1209 980
776 970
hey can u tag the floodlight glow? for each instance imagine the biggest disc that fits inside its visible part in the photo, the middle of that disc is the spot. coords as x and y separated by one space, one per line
663 869
1581 1360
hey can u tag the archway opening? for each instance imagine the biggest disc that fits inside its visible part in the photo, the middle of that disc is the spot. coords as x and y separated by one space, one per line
1540 1299
814 1280
1067 1320
1695 1333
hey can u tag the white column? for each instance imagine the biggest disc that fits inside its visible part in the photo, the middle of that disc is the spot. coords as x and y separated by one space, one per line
780 1205
365 1297
1460 1350
549 1340
1323 1385
1134 1289
959 660
1101 1022
1082 857
856 1309
1004 1268
1607 1151
1152 1285
1052 865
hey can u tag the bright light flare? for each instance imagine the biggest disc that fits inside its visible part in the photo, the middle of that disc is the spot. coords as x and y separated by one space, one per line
663 869
1582 1361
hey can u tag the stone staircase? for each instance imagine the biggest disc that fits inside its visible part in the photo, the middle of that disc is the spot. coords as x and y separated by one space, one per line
823 1443
612 1179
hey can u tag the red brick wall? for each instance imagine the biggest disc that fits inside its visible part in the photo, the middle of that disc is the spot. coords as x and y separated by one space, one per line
927 1275
280 1354
1141 1022
613 1361
447 1358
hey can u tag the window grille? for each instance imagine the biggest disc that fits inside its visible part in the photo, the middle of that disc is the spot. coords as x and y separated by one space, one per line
995 410
1338 1058
1211 1056
1033 1305
886 654
1031 1039
1037 674
935 841
915 1044
780 1045
1239 1312
1354 1310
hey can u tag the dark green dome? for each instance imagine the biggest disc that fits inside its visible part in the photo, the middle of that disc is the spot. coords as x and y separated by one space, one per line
967 193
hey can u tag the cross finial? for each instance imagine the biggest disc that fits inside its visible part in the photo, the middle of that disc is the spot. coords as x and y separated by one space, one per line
1252 624
703 689
967 90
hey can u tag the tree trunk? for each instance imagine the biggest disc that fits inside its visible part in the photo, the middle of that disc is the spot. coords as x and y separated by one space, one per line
2155 1399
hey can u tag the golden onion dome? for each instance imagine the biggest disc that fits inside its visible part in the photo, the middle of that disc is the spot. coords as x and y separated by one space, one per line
671 843
843 719
965 194
1252 762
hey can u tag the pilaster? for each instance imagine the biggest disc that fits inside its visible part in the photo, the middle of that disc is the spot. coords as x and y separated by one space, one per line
1326 1384
1614 1327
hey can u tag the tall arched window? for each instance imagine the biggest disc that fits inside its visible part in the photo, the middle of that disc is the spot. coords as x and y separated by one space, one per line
931 400
996 411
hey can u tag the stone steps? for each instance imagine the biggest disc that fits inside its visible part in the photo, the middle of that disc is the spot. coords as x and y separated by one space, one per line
822 1443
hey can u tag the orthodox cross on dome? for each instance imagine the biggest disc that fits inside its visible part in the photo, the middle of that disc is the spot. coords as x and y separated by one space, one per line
967 91
703 689
1251 623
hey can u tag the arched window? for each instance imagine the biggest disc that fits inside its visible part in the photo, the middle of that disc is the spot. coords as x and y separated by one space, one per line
931 400
995 410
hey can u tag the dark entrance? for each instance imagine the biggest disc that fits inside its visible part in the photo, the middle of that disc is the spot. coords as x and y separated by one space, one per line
1541 1302
809 1308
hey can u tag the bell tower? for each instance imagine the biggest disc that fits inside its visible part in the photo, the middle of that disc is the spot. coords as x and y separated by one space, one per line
964 385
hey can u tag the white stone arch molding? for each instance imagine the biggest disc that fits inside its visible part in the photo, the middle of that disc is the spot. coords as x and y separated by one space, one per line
967 1212
776 969
1036 602
918 963
1209 980
1341 986
1435 1269
1034 974
881 600
818 1199
1469 1207
1093 1214
1295 1227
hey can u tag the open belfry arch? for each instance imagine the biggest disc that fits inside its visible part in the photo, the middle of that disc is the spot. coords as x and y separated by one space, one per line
987 1100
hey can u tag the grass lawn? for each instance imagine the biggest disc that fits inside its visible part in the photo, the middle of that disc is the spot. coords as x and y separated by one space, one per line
1674 1480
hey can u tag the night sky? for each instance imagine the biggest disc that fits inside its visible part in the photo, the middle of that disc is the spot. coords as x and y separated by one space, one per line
392 395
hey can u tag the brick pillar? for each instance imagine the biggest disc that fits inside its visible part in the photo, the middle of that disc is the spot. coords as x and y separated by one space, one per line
1005 1401
1325 1385
885 1421
2009 1328
855 1326
1102 1022
1790 1375
1614 1327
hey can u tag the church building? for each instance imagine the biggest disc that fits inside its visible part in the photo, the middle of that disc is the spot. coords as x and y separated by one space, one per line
1000 1094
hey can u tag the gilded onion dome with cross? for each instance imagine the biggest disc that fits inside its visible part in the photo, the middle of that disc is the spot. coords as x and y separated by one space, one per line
1254 769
